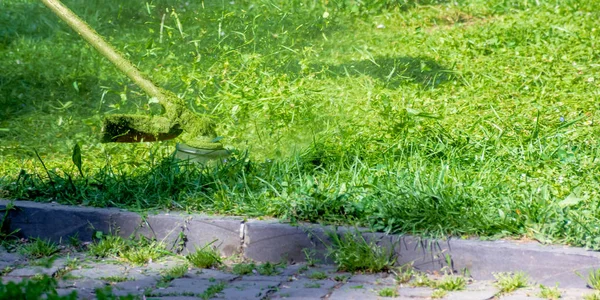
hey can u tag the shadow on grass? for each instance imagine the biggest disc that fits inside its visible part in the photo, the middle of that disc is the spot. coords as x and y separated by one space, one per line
358 7
394 71
33 20
26 94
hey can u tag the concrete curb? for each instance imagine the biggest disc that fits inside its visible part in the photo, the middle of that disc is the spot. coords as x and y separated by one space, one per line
274 241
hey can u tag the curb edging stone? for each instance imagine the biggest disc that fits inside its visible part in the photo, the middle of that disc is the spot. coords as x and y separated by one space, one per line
273 241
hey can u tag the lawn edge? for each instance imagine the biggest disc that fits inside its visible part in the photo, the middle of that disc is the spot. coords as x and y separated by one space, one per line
275 241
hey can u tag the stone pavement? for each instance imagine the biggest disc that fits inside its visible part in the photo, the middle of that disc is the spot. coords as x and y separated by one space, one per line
271 240
79 272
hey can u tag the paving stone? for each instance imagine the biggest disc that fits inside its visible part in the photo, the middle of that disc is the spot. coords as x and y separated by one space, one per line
471 295
7 279
198 229
355 291
156 268
80 294
100 270
272 241
528 294
30 271
8 259
304 289
415 292
377 279
277 278
172 298
84 284
324 268
59 222
184 287
210 274
291 270
134 287
482 285
248 289
269 241
574 294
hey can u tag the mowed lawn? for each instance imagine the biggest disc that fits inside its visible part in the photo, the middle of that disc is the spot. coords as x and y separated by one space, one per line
432 117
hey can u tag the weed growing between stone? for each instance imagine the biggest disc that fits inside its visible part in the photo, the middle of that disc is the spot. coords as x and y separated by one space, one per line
317 275
269 269
175 272
351 252
452 283
551 293
593 279
39 248
137 251
44 261
403 274
312 285
212 291
33 289
246 268
439 293
107 245
508 282
243 268
205 257
145 251
44 287
593 296
388 292
309 256
422 280
7 236
116 279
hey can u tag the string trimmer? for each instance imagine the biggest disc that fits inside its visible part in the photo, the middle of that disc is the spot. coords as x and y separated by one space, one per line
194 130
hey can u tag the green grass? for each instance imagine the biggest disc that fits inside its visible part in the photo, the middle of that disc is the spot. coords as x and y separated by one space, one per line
266 269
205 257
269 268
507 282
318 275
212 290
39 249
312 285
116 279
452 283
593 279
422 280
404 273
552 293
593 296
352 252
138 251
43 287
107 245
468 117
243 268
175 272
437 294
388 292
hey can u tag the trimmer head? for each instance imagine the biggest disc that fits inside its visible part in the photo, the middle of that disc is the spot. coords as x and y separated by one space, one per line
137 128
196 131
